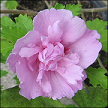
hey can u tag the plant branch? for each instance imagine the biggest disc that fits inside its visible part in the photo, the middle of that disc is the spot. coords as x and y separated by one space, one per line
48 5
22 7
28 12
19 12
82 13
101 65
94 9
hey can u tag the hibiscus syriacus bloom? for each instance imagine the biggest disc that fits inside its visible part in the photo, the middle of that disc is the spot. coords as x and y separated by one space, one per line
50 60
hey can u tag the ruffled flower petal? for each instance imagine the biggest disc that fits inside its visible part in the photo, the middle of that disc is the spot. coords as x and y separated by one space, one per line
87 47
28 84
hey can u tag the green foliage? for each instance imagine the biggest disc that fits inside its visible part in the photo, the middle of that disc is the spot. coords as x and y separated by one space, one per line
3 58
17 80
97 97
11 4
100 26
97 76
74 8
24 22
12 98
59 6
6 22
12 31
5 47
3 73
70 106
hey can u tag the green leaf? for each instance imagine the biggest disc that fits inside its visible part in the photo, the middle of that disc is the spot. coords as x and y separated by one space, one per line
12 33
100 26
5 47
17 80
3 58
74 8
70 105
6 22
3 73
24 22
97 76
59 6
11 4
12 98
97 97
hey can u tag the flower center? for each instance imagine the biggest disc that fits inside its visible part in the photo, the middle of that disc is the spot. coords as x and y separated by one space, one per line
51 55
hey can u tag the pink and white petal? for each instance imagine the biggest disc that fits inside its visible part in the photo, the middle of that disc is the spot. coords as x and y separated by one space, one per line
45 85
29 87
41 71
33 62
32 38
54 33
85 75
60 87
72 73
49 17
45 41
79 84
73 57
12 59
87 47
28 52
73 30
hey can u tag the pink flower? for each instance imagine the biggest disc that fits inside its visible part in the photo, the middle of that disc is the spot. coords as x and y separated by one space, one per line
50 60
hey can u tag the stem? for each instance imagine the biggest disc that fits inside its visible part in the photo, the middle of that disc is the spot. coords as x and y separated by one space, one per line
19 12
82 13
28 12
23 7
101 65
95 9
48 5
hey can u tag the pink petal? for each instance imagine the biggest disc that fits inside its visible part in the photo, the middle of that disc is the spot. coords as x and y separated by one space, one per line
45 41
32 38
12 59
72 73
60 87
87 47
32 62
54 33
29 87
41 72
73 30
49 17
46 85
28 52
79 84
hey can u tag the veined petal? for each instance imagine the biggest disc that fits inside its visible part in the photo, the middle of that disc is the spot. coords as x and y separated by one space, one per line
49 17
73 30
87 47
12 60
32 38
60 87
72 73
54 33
29 87
28 52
